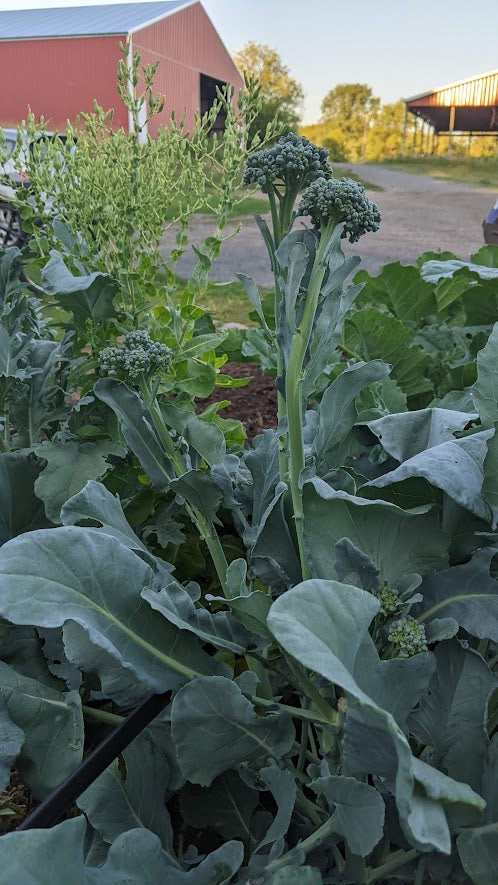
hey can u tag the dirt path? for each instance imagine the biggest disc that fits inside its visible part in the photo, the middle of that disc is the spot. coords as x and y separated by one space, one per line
418 214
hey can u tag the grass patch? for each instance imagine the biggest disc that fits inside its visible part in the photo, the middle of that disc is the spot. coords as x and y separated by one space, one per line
248 205
226 303
482 171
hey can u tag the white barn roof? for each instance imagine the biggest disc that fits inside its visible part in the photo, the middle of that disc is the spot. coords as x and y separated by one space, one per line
84 21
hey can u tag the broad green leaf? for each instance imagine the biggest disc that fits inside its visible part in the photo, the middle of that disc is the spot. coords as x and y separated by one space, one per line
327 334
433 271
396 685
227 806
250 607
11 741
69 466
42 399
478 850
87 297
466 593
354 567
55 575
455 466
97 503
485 389
372 334
195 378
53 726
232 732
44 857
490 470
410 297
337 409
136 857
451 716
282 786
178 605
20 509
294 257
252 293
131 794
202 436
136 424
358 811
14 349
200 491
272 556
410 433
322 624
397 542
490 779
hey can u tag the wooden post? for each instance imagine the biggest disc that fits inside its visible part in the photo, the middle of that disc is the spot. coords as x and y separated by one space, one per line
403 140
451 127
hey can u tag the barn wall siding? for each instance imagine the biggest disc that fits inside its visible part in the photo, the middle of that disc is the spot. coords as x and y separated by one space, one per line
58 78
186 45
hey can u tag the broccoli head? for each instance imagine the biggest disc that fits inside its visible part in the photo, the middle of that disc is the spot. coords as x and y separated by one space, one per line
340 200
389 600
139 356
407 636
292 161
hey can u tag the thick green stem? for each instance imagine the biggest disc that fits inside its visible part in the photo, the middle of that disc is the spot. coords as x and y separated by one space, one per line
356 868
102 716
307 845
397 860
293 390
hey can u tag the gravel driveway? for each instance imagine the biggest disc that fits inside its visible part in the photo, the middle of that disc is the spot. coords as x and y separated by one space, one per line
418 214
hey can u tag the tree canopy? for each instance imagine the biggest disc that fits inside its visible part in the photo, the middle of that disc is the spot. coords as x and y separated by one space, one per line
280 93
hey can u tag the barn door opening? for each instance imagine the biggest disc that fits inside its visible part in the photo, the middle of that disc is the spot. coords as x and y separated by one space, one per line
208 95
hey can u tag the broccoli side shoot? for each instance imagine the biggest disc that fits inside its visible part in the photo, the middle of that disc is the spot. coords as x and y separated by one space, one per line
340 200
139 357
293 162
407 637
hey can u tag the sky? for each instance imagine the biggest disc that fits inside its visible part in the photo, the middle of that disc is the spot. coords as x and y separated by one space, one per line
398 47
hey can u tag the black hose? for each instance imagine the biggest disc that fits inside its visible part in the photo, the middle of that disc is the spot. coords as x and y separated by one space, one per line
53 808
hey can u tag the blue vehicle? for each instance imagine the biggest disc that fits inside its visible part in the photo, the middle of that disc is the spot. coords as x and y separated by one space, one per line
490 226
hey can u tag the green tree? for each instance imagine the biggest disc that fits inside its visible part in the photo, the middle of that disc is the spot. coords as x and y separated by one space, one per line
349 107
385 134
280 93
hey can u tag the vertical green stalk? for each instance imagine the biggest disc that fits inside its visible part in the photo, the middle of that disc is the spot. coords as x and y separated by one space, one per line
293 389
204 526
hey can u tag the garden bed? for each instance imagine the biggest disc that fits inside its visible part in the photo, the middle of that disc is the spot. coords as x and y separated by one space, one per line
254 405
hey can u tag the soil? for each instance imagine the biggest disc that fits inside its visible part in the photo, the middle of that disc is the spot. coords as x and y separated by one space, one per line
254 405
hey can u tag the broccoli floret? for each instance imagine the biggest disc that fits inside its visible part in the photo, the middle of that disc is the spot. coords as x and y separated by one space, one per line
340 200
389 600
292 161
407 636
138 356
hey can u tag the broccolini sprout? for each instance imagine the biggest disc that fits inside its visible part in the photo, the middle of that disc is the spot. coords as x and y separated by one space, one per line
139 356
340 200
292 161
407 636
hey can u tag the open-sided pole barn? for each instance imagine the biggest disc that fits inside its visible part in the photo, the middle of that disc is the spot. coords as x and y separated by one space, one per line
60 60
468 107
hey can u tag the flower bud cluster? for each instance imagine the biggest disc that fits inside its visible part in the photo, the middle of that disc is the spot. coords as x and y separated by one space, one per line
138 356
407 636
342 200
293 160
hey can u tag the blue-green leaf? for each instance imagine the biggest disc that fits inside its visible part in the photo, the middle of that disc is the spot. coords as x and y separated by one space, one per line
232 732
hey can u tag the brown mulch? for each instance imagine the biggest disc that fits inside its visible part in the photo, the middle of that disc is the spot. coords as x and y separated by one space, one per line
254 405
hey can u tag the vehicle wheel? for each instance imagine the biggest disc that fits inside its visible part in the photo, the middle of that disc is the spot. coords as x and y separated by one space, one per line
11 232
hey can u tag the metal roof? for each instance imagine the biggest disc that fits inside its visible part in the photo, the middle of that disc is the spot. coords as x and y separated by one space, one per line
80 21
448 86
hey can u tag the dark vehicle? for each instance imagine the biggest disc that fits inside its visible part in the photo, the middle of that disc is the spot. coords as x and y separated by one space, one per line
490 226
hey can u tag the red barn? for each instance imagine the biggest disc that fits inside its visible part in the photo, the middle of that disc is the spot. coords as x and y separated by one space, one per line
57 61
